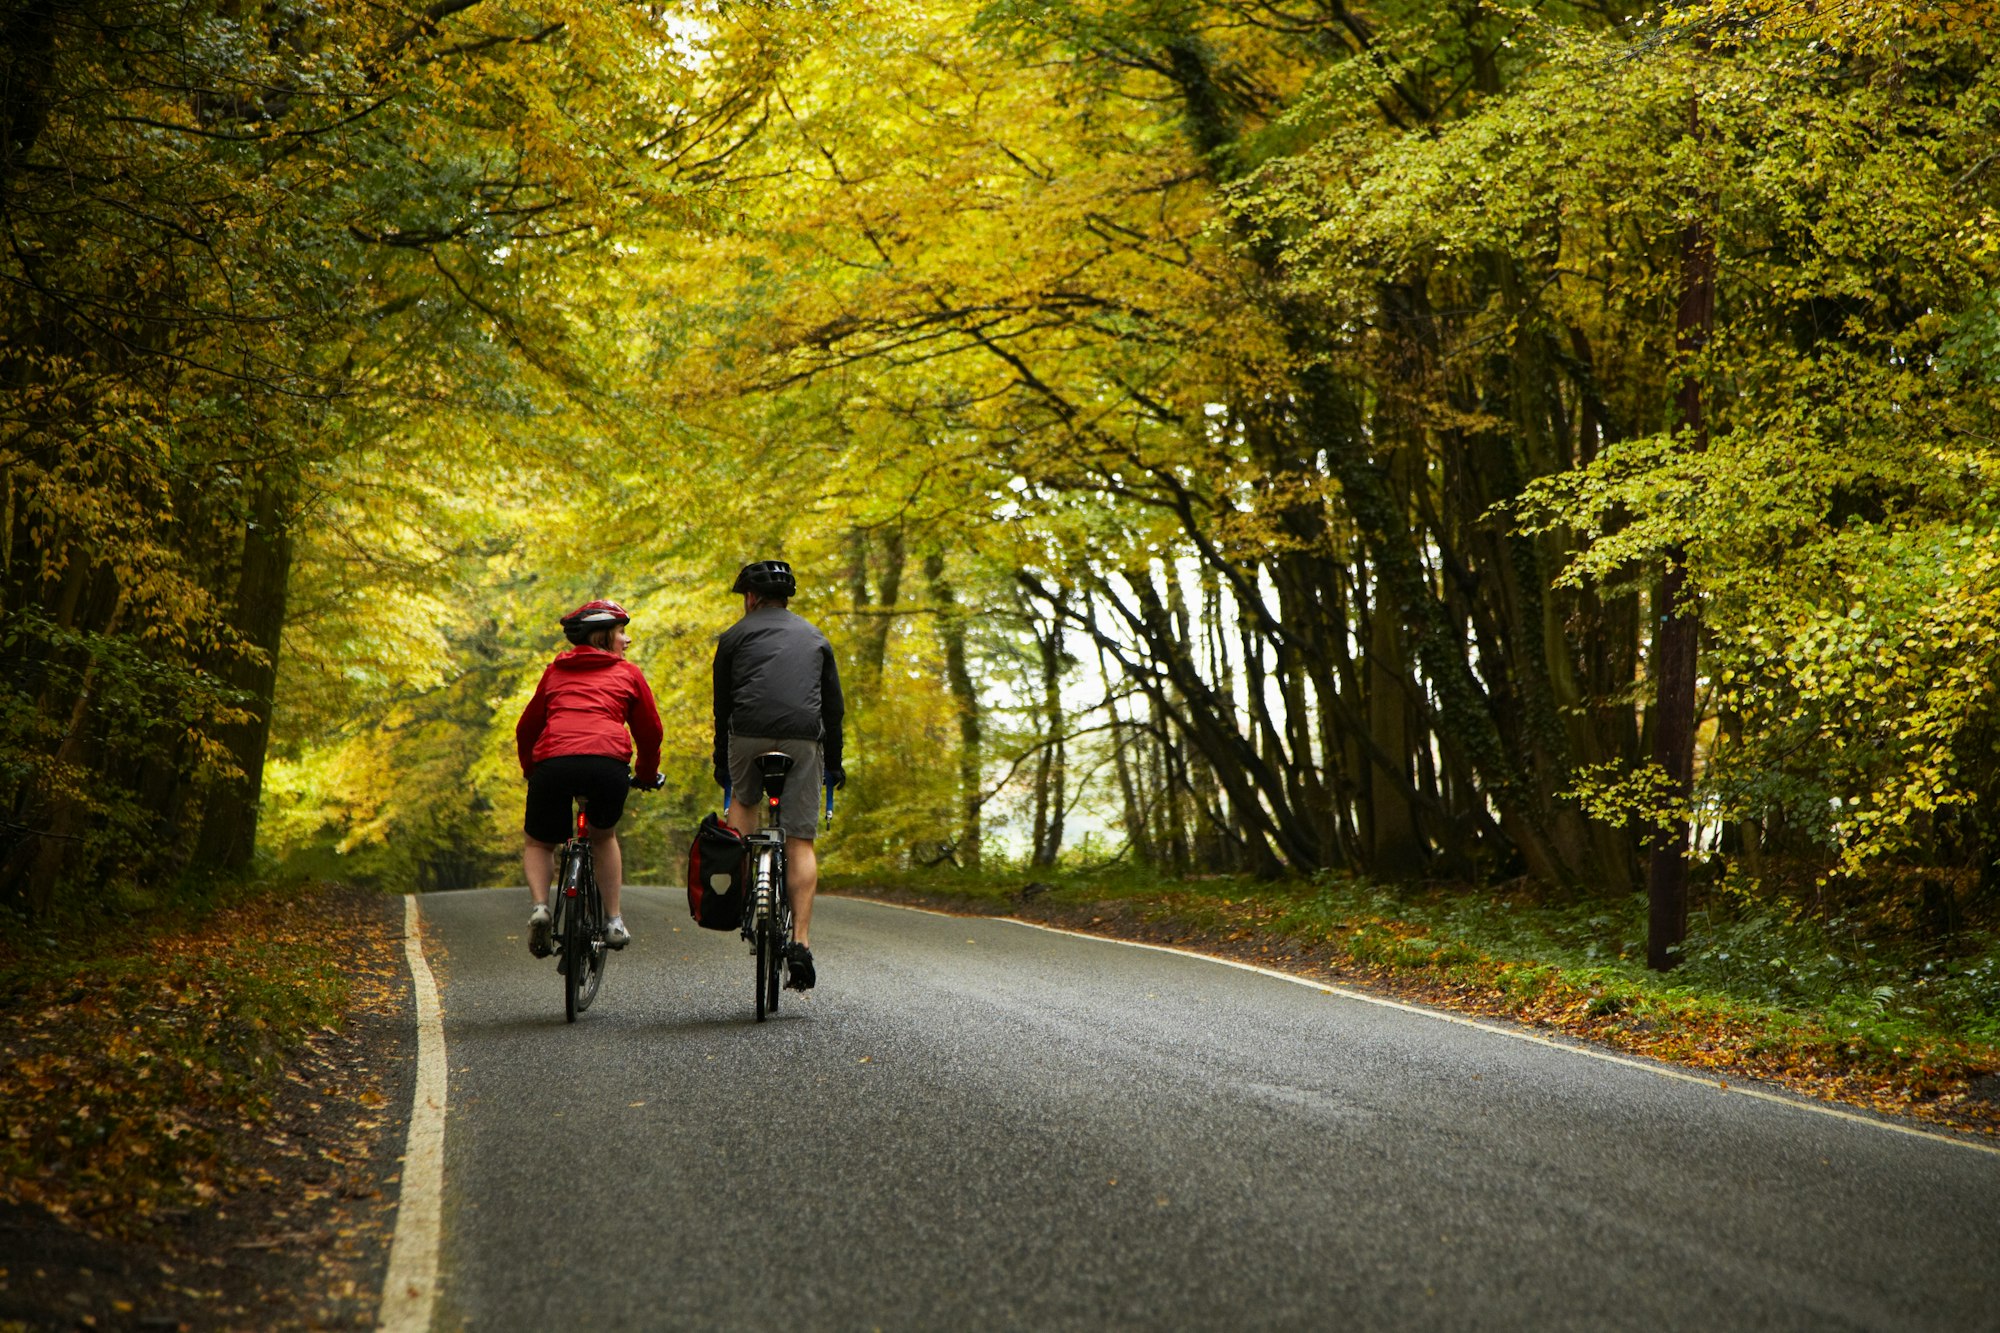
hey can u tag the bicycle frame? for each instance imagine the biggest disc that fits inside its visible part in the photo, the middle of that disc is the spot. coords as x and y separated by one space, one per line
767 884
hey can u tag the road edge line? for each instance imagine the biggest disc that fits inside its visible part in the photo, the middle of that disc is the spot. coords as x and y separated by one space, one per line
1720 1086
409 1287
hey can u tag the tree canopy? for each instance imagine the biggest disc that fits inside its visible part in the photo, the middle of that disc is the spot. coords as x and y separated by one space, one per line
1262 435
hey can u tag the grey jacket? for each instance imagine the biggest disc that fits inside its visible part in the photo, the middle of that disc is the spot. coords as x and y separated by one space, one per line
775 677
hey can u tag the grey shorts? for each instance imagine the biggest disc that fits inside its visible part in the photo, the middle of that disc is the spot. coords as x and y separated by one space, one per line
799 806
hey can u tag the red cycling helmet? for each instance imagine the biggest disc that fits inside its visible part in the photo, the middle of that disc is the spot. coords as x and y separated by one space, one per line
591 617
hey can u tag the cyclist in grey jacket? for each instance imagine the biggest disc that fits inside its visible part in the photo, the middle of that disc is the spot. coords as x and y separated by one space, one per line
777 688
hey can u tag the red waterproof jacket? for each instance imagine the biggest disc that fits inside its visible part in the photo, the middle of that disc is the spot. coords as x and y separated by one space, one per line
583 705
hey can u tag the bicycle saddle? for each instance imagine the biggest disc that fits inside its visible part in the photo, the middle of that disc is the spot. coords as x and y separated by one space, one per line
772 768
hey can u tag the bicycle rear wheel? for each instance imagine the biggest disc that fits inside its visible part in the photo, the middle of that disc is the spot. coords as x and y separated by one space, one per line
779 924
575 935
596 955
765 950
774 972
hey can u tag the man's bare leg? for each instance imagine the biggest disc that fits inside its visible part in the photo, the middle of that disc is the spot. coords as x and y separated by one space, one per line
801 882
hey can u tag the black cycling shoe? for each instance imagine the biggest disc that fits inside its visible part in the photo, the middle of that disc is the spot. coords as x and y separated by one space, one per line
799 968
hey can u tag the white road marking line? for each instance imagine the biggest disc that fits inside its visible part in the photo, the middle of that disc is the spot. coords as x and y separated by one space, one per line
1590 1052
409 1290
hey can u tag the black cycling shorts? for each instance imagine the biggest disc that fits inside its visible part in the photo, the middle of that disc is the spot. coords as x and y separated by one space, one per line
598 778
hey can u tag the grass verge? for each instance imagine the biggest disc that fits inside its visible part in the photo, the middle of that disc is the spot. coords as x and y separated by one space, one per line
1810 1005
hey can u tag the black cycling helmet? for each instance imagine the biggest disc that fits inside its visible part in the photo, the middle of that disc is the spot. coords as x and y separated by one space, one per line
766 578
591 617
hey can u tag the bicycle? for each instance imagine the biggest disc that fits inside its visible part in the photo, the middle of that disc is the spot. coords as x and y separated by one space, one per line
767 917
578 923
767 920
577 931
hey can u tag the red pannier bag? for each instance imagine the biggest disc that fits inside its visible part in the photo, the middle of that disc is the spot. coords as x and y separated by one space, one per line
715 876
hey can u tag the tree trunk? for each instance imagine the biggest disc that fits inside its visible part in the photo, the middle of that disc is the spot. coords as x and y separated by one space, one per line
56 841
1675 644
958 678
1396 850
27 71
1137 835
872 636
1050 794
229 818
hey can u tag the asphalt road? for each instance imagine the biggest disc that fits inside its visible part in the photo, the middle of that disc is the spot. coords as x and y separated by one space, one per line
975 1123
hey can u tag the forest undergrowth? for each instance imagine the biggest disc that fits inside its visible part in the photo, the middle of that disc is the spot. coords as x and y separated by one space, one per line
135 1054
1829 1000
201 1104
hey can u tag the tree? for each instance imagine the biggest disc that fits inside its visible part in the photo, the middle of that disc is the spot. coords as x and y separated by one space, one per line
241 246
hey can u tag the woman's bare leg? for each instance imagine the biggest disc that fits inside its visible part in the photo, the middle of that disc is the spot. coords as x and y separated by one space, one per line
538 863
610 863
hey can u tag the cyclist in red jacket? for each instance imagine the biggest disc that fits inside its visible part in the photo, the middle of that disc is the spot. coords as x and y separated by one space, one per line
572 739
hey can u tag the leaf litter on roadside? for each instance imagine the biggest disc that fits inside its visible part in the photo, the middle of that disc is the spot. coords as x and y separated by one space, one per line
200 1108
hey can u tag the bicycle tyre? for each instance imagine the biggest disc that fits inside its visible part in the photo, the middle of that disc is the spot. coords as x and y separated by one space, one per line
774 973
764 950
781 932
575 938
595 953
774 977
556 909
